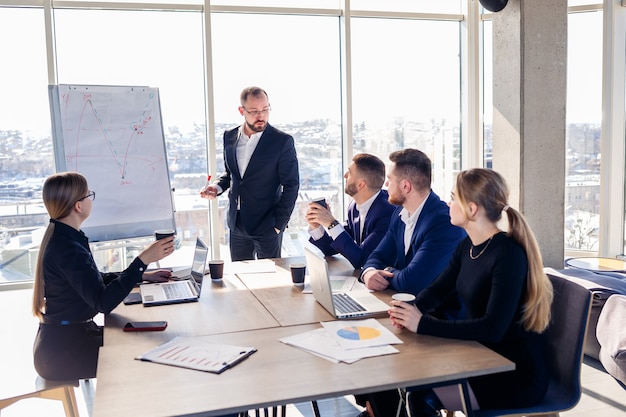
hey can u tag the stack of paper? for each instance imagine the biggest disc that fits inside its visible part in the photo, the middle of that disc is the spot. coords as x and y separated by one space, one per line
346 341
250 267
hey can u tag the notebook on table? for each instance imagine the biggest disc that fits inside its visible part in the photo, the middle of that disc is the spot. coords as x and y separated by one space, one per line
342 305
184 288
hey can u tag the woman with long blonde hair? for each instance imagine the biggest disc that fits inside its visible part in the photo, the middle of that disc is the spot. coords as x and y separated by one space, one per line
69 290
506 295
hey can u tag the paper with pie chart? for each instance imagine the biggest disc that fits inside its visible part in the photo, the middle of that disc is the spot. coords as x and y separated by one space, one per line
320 343
356 334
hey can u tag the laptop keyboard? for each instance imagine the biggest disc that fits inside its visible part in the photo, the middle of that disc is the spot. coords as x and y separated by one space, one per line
179 290
345 304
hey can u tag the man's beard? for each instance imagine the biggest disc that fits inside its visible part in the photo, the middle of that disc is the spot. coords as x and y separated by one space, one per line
396 200
254 128
351 189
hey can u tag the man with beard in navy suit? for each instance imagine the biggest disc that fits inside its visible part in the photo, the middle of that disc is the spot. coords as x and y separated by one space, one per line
420 239
261 174
368 214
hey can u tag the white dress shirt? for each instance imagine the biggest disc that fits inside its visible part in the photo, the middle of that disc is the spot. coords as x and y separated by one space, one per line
245 148
410 220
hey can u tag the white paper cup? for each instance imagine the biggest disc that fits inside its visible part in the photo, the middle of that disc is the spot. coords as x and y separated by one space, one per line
403 296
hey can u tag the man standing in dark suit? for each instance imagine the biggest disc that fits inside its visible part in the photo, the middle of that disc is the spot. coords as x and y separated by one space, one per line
261 173
368 214
420 239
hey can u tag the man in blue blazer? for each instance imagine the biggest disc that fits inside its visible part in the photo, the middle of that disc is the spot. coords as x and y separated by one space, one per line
415 249
261 171
368 214
420 239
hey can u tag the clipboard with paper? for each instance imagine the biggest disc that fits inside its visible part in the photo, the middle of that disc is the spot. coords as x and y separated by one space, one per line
194 353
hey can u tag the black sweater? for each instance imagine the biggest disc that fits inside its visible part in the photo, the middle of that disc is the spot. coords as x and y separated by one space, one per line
74 288
492 288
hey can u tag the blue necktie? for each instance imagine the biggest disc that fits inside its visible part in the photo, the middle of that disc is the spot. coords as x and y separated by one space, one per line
356 225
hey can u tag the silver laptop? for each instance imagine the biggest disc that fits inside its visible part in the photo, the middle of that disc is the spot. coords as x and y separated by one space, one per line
342 305
200 255
184 288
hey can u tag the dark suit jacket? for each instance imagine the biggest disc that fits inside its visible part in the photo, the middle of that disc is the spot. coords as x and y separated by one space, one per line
433 241
269 188
374 229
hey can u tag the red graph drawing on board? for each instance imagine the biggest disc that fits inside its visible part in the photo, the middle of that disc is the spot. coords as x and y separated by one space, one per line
118 138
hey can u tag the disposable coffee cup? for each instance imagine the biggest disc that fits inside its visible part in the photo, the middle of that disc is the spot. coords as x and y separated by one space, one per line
321 202
403 296
297 273
216 269
163 233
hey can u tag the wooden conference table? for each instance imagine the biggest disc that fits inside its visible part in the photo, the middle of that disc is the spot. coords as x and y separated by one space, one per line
257 310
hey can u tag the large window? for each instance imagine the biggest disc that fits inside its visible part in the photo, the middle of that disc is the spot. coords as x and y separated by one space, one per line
26 154
488 94
140 52
404 6
407 94
301 74
584 118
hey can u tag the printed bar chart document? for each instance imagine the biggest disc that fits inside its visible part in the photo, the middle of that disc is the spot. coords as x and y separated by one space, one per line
194 353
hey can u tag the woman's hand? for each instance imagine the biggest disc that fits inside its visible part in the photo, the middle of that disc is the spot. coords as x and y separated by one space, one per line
158 250
160 275
404 315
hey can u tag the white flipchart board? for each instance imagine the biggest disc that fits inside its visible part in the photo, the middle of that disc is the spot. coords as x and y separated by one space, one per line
113 135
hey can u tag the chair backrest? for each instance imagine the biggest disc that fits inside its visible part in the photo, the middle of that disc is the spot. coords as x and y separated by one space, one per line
566 337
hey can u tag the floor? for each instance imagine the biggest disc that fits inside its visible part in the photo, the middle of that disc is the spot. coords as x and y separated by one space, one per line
602 395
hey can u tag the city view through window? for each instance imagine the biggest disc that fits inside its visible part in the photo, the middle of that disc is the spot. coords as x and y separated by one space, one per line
399 100
584 117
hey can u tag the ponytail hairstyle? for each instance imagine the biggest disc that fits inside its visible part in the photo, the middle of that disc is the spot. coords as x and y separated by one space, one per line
60 192
488 189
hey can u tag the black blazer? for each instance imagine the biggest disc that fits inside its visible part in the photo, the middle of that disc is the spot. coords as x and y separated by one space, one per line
268 191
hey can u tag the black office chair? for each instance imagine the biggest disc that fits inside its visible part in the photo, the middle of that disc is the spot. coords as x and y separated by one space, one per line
566 337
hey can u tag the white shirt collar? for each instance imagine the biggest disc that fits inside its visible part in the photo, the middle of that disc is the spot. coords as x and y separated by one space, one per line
242 134
365 207
409 219
245 148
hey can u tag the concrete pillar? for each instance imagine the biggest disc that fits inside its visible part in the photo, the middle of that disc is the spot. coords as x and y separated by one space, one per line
529 75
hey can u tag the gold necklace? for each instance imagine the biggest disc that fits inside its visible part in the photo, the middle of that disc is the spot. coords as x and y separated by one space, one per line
482 251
